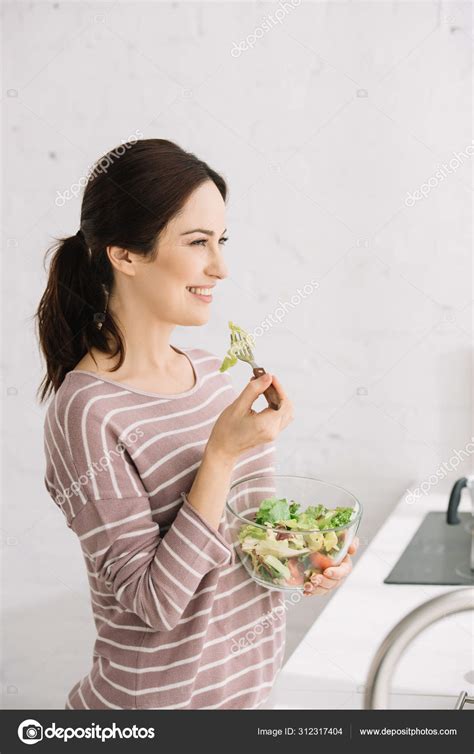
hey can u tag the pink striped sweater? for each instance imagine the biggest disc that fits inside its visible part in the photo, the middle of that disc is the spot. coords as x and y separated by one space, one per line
170 598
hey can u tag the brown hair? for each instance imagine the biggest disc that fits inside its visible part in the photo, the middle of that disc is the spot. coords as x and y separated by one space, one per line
128 204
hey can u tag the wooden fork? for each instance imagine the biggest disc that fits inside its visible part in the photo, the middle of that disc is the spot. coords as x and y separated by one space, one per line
241 349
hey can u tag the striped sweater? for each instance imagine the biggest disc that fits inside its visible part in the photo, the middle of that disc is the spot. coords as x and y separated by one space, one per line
171 601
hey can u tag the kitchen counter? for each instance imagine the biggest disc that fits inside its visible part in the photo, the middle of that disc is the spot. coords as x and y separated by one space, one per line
330 666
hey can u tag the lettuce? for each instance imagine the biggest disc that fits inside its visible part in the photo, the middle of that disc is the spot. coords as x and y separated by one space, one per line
293 510
252 531
315 540
331 541
230 359
311 517
278 567
274 509
280 548
337 517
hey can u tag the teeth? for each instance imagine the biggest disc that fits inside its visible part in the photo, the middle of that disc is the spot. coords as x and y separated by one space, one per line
201 291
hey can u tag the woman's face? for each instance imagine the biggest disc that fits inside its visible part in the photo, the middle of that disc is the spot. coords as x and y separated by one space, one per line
190 254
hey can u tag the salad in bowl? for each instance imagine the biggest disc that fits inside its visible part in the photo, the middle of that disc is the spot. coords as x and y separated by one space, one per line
282 542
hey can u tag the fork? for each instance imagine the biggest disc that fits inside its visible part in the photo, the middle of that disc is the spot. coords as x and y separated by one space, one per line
242 351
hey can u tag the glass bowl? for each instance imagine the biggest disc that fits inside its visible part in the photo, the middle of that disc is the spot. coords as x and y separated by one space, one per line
266 549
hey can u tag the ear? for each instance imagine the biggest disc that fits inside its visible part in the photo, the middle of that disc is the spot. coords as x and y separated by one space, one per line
121 259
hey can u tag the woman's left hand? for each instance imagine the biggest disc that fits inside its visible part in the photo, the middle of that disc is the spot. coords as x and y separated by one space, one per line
333 576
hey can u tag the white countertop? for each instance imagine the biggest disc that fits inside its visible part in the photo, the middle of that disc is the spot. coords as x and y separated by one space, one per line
330 666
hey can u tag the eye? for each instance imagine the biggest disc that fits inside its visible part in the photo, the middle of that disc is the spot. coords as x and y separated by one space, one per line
204 241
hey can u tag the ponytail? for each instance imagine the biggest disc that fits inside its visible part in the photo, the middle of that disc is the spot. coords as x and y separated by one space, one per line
70 313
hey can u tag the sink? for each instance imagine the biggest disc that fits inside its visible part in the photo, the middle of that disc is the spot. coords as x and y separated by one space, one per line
438 553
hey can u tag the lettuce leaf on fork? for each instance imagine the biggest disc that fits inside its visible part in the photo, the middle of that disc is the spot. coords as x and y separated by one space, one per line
230 359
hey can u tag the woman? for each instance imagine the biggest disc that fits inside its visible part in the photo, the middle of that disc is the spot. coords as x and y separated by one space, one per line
143 440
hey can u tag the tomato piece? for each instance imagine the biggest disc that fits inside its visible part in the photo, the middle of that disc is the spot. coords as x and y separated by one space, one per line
318 560
297 572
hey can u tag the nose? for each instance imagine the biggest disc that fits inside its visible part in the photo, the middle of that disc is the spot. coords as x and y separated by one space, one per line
218 267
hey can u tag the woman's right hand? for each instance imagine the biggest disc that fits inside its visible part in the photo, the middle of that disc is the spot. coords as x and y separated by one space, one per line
239 427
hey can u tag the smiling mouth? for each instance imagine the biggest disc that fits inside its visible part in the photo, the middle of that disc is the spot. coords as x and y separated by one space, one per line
206 298
200 290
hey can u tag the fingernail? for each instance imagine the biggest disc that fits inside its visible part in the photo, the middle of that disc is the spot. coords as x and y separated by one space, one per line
330 572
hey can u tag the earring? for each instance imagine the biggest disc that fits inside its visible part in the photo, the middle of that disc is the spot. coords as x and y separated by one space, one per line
99 317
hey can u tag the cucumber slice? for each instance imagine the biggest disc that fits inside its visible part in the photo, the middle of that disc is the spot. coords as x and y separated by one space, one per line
277 565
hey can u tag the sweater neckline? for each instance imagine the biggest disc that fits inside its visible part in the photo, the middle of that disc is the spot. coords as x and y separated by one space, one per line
133 389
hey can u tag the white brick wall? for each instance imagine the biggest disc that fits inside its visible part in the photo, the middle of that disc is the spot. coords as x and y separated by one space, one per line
322 128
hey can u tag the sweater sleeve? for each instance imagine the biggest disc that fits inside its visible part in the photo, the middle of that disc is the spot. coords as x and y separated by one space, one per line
151 575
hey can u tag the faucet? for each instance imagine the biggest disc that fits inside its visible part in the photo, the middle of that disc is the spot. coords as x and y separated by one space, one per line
393 646
454 500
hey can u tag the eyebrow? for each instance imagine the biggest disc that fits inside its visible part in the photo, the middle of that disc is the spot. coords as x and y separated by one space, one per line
201 230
